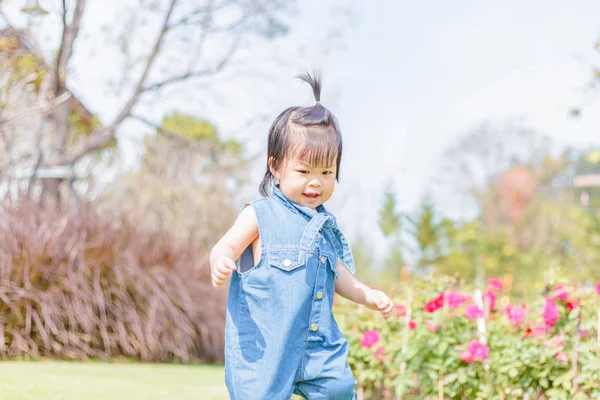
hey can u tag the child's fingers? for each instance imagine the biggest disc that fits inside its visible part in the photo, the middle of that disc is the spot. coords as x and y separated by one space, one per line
221 275
225 270
384 302
387 308
222 272
230 264
216 282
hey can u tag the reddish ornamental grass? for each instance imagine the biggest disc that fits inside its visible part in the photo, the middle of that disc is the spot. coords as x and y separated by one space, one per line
76 286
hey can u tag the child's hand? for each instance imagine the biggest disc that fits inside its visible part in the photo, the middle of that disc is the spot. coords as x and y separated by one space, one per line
221 270
379 301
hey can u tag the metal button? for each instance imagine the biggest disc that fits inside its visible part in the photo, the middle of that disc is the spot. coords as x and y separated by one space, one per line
319 295
323 260
287 262
314 327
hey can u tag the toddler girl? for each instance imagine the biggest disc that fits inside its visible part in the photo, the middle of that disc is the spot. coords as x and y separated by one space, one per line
281 336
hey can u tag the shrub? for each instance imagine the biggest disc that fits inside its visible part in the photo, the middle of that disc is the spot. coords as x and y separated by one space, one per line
78 285
444 343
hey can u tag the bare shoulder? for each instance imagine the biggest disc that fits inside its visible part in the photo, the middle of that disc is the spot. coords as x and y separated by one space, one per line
248 218
243 232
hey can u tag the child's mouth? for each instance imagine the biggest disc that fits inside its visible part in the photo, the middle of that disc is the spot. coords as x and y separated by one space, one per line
310 196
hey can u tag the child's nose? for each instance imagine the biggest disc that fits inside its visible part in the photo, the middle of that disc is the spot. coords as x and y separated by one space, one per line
315 182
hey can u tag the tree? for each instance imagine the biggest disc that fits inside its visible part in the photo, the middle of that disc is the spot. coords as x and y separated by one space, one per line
390 223
24 106
549 234
429 233
478 160
185 184
195 25
594 83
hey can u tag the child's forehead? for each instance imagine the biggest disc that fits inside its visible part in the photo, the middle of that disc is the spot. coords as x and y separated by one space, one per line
306 160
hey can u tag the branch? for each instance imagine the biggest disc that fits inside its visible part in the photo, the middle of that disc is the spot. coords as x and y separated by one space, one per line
33 110
96 140
172 135
140 85
210 8
99 137
179 78
197 74
65 52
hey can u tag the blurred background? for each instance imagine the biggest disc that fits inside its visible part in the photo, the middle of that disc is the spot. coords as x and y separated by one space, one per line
132 132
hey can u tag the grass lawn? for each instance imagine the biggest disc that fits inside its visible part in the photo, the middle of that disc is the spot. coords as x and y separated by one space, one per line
54 380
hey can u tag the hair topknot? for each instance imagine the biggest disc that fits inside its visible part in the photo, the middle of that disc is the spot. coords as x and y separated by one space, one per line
316 114
314 81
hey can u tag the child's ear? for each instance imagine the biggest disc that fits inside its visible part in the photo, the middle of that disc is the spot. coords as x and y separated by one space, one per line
273 171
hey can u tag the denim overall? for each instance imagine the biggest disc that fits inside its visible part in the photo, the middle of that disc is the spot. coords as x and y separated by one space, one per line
281 337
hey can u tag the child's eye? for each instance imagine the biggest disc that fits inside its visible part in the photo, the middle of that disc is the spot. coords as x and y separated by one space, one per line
303 171
327 172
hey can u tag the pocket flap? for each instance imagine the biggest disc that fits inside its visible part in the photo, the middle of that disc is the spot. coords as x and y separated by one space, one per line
286 260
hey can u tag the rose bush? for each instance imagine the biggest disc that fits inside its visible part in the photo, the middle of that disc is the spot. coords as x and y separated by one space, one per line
467 345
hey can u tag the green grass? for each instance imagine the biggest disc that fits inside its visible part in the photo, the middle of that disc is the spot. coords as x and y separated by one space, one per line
63 380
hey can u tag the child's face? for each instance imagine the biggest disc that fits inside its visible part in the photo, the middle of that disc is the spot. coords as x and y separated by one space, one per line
306 185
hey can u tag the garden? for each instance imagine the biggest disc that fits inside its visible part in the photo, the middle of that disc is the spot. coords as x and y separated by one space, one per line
449 342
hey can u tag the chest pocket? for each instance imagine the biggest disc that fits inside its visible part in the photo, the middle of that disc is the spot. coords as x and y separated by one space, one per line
286 260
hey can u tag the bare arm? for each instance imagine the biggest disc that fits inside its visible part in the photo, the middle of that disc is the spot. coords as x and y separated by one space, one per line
231 246
354 290
349 287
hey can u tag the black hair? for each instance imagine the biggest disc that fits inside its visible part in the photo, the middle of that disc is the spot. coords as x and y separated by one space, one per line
310 133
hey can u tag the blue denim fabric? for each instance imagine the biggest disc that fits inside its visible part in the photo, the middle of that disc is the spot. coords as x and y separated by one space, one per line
281 337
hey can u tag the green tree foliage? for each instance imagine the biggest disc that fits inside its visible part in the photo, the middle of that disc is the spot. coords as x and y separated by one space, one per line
389 218
363 258
556 238
430 234
594 83
390 223
551 235
186 183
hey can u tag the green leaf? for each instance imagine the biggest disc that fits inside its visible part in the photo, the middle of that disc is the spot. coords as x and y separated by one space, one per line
442 347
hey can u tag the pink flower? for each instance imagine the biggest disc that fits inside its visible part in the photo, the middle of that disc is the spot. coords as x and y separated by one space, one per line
466 356
571 305
561 292
455 299
494 284
380 354
490 296
598 288
558 341
435 304
477 351
432 327
399 311
370 338
412 325
550 313
539 331
516 314
473 312
562 357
